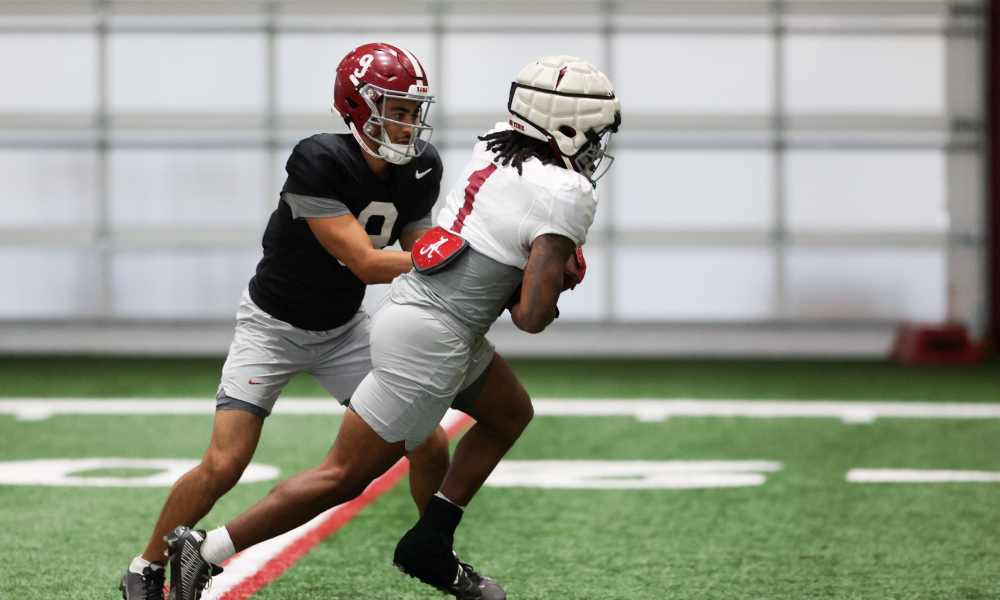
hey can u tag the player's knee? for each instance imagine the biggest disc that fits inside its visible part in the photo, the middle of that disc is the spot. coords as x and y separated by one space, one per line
522 413
433 454
515 417
339 484
222 473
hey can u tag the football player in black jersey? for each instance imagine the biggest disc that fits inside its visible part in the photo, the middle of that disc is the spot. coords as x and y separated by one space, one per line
346 198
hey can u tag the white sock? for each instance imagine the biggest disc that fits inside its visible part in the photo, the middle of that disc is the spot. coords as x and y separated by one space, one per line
218 546
138 564
442 496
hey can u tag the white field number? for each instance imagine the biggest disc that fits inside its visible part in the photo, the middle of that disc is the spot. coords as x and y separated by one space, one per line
604 475
71 472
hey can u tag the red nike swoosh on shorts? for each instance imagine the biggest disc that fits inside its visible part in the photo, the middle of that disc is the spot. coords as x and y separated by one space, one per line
252 382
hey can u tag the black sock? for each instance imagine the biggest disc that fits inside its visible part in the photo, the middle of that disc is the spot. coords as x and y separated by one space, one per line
440 516
426 549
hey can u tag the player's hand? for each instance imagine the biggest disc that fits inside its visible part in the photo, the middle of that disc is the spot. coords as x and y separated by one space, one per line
575 270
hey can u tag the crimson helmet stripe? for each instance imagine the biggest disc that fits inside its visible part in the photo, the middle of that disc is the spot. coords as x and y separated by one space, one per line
418 71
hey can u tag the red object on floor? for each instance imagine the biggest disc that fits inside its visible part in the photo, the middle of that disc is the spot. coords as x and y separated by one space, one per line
938 344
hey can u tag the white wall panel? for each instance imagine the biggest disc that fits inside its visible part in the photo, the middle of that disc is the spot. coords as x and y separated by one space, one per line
866 190
479 68
178 73
693 190
675 177
867 284
48 188
48 73
307 66
866 74
189 188
48 283
694 284
181 285
693 74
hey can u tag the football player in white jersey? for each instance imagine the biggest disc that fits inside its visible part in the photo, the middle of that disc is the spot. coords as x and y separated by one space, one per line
509 233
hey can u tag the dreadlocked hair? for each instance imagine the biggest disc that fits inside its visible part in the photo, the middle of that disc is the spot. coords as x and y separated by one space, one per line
513 148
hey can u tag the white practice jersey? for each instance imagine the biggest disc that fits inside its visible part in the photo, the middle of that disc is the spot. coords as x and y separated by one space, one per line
501 213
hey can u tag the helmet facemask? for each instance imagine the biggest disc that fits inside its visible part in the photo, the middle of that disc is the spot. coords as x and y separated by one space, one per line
374 129
593 160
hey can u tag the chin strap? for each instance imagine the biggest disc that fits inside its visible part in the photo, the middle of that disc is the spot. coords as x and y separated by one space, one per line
362 143
390 155
385 152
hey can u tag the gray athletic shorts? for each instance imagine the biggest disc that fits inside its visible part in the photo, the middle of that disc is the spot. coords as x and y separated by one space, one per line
420 366
266 353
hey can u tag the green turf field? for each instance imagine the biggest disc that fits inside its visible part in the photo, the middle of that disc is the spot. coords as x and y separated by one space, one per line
805 533
747 379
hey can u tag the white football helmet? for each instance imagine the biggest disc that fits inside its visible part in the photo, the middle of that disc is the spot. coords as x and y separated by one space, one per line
569 103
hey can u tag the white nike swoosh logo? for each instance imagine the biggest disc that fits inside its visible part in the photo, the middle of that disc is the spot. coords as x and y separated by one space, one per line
419 174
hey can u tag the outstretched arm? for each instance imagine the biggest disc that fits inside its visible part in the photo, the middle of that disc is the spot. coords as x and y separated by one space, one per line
347 241
542 283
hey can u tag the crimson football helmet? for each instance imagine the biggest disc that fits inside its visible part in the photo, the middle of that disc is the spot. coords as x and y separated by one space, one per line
569 103
365 78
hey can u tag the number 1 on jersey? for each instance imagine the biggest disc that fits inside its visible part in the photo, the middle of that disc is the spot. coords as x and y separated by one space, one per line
475 182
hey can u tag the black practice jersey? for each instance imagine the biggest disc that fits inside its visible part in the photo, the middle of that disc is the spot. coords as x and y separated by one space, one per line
298 281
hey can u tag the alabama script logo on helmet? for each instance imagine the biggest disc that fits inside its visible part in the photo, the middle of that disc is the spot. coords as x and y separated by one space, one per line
366 78
569 103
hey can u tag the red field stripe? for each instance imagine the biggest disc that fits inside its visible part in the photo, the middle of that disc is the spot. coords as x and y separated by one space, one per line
280 563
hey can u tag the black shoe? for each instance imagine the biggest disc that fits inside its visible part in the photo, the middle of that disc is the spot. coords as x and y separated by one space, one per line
428 557
467 585
488 589
190 574
147 585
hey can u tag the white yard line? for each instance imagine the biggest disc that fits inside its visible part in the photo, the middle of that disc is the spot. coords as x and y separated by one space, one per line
650 410
919 476
35 409
846 411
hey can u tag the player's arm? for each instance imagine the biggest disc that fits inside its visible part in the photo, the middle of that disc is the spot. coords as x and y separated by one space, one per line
542 283
408 238
347 241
